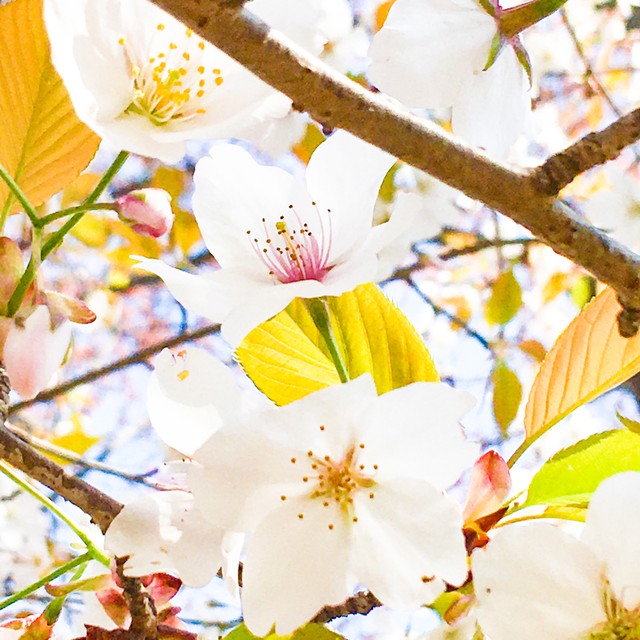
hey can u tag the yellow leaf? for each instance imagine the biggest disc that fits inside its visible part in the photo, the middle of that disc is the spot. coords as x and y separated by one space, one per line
312 139
587 360
381 13
507 395
43 145
505 300
75 441
556 284
92 230
287 359
534 349
79 189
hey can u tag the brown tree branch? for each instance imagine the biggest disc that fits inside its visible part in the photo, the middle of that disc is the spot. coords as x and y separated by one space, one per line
100 507
334 100
362 602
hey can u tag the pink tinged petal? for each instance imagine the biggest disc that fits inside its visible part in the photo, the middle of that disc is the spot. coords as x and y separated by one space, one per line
419 424
294 567
494 106
489 486
408 538
613 522
166 532
147 210
426 49
344 176
33 351
537 581
189 393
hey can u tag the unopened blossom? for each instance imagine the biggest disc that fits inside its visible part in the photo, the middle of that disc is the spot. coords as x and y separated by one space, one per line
148 211
339 489
146 83
276 238
34 348
536 581
435 54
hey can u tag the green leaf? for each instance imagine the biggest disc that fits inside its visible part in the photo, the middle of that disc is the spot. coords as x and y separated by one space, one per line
287 358
505 300
311 631
507 395
572 475
632 425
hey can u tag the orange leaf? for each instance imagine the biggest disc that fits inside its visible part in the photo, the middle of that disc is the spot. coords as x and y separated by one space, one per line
587 360
43 145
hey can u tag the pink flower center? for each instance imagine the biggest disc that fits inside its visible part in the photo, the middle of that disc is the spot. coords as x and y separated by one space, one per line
291 251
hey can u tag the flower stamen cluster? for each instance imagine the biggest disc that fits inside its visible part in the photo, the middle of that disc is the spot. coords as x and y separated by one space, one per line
173 83
294 253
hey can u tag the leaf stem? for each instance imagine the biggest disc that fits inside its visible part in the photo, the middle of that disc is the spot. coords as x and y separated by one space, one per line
93 551
68 566
56 238
63 213
20 196
319 310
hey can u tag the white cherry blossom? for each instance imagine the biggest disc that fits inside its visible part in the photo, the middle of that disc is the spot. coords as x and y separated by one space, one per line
340 488
276 238
146 83
537 581
433 54
166 532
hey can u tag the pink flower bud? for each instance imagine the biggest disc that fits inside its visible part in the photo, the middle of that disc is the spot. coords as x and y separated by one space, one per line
33 350
148 211
489 485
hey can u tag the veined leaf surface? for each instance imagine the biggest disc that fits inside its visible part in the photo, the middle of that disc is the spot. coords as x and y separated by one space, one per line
43 145
286 357
587 360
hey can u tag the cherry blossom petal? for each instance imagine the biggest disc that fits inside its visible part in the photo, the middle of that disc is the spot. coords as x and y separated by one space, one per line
494 106
407 537
344 175
161 533
33 351
537 581
188 395
613 519
426 49
294 567
433 447
233 193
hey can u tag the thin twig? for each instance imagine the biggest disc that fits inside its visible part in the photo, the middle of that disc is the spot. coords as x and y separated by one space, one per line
134 358
100 507
362 602
485 243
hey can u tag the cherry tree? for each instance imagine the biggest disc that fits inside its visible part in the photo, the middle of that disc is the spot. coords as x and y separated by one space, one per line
309 311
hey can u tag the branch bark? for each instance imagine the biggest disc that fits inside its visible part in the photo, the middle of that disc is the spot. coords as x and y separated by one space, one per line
335 101
100 507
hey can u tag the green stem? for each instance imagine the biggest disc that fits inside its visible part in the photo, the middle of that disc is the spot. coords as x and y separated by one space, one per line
56 238
27 591
93 551
517 19
19 195
319 310
515 456
547 515
63 213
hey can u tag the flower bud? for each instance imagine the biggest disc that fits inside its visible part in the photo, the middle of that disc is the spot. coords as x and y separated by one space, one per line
489 485
148 211
33 350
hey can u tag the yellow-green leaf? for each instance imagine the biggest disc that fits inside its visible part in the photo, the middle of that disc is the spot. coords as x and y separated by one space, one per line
43 145
287 358
310 631
505 300
507 395
587 360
